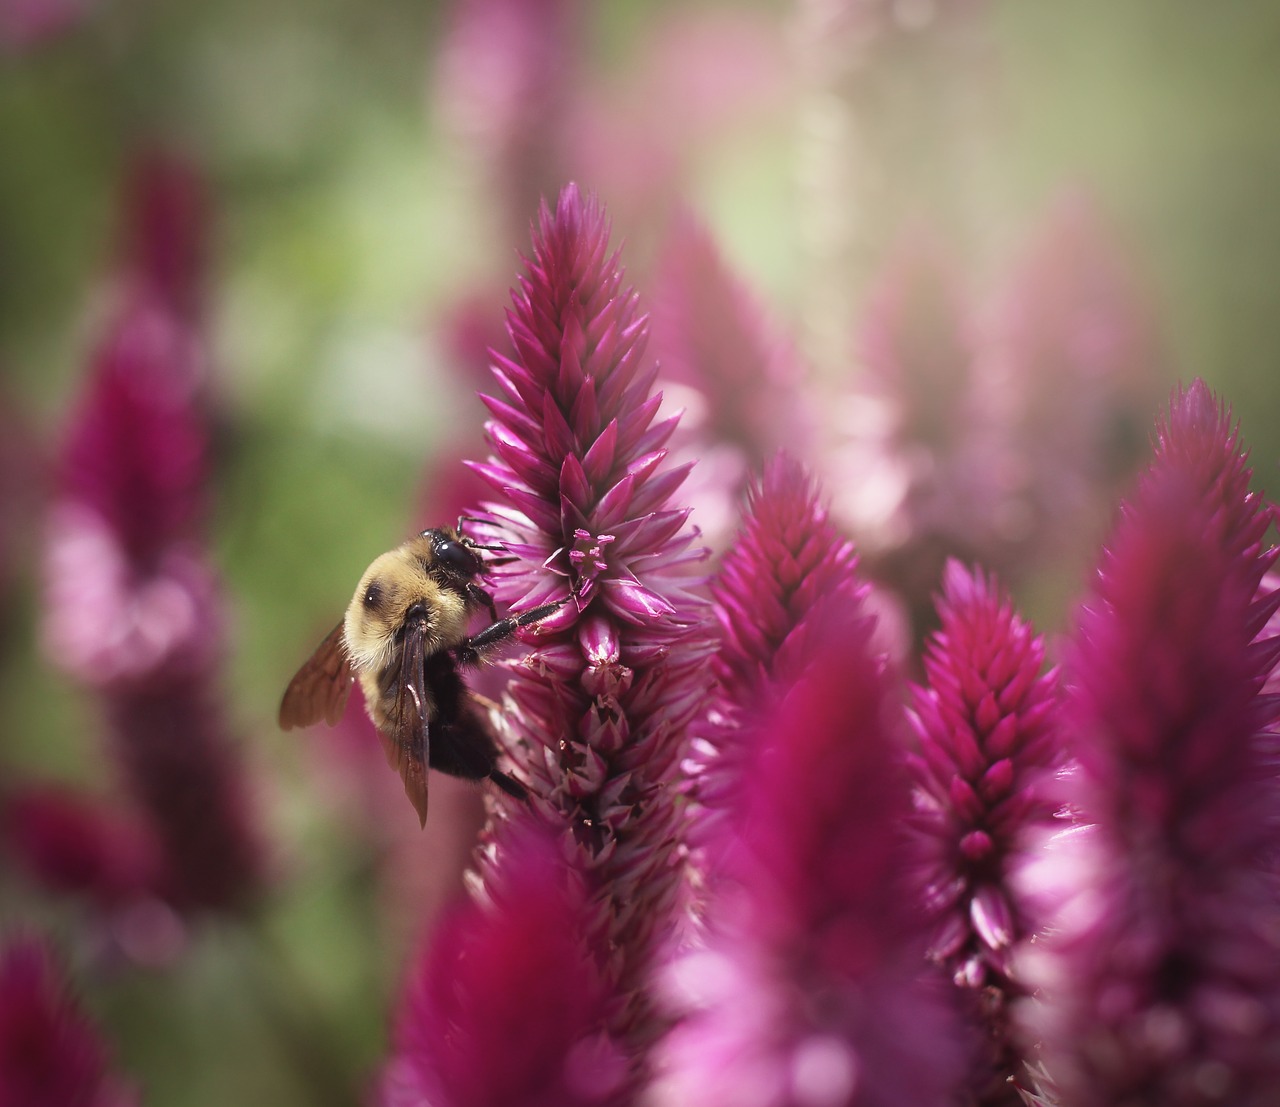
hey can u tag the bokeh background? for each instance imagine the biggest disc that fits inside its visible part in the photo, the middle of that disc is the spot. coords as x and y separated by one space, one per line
371 170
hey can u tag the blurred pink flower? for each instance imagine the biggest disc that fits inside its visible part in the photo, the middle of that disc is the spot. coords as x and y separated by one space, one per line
788 563
1072 356
985 726
127 591
812 986
51 1055
727 367
509 1007
70 841
642 133
1159 980
167 215
916 467
597 715
131 606
505 78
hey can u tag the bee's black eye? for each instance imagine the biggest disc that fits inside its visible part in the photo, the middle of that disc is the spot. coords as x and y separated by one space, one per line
455 556
373 594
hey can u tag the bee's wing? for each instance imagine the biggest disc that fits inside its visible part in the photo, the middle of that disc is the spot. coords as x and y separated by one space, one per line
407 739
320 688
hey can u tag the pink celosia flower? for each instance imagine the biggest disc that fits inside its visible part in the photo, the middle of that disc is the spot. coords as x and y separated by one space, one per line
131 605
1160 980
127 591
786 566
597 715
508 1008
50 1053
812 988
984 724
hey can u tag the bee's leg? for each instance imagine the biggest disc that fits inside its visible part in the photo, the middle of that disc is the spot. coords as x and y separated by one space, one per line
508 784
471 650
480 596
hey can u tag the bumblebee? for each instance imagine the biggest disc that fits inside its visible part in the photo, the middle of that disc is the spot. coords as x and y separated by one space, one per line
404 638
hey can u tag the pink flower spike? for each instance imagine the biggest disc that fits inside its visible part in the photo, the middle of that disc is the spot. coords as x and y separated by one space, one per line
508 1008
787 564
984 725
1160 978
132 607
812 986
49 1051
599 712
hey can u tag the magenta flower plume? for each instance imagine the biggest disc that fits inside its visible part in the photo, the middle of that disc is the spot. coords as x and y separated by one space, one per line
600 711
1161 982
132 607
787 564
508 1008
812 987
50 1053
985 728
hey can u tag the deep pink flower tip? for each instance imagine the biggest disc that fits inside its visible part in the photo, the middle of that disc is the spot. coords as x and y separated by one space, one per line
50 1054
135 454
166 230
579 456
127 590
71 842
986 732
786 564
1165 655
509 1006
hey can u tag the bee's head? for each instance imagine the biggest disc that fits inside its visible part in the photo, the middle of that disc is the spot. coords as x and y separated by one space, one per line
405 591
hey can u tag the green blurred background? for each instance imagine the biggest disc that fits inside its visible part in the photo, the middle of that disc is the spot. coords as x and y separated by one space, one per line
348 217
